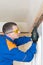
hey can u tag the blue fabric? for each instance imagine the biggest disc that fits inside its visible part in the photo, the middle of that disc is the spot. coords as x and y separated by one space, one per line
33 48
8 56
8 38
22 40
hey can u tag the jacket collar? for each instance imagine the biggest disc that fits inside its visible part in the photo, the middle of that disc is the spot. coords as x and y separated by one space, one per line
8 38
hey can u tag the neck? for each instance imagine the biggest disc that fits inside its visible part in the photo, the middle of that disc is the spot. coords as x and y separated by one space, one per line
8 37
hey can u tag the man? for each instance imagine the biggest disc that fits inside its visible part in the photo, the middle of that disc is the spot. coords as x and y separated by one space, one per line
9 42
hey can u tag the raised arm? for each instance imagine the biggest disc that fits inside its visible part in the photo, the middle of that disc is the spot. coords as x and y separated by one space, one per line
22 40
16 54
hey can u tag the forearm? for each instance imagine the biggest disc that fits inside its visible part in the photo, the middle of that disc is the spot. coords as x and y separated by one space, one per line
16 54
22 40
29 56
33 49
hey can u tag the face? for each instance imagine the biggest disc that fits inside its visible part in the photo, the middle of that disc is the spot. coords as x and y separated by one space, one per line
15 32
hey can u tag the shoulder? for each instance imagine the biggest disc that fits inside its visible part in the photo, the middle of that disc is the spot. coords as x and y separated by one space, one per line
2 37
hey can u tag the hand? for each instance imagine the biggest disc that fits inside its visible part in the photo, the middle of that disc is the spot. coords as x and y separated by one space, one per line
35 35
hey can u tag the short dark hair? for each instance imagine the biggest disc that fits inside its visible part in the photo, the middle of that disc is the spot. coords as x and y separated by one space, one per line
8 26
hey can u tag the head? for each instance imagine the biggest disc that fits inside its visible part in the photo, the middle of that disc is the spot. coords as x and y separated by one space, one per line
11 30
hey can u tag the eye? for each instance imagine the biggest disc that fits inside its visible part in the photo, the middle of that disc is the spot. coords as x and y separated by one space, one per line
16 31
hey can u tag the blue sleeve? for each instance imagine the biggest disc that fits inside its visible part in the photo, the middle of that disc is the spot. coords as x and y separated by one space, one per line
33 49
16 54
22 40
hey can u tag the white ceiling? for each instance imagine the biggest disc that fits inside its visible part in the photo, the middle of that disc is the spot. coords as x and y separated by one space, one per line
19 10
23 12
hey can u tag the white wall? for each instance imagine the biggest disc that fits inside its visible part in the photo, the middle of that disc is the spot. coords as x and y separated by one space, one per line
42 46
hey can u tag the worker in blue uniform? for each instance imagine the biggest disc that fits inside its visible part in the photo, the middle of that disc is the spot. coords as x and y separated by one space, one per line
9 43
